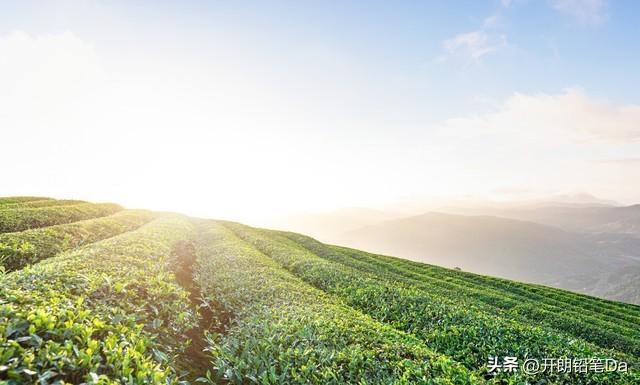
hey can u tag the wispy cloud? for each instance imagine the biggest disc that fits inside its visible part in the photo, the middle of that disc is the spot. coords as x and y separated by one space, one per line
474 44
478 43
571 115
491 21
587 12
545 141
486 40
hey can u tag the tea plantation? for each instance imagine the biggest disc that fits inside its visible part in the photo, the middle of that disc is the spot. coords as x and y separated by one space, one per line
98 294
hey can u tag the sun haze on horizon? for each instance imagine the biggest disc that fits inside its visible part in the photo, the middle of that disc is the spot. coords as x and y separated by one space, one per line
252 111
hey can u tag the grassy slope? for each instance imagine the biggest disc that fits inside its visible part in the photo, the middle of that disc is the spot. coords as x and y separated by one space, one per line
19 219
276 308
281 330
559 312
466 331
29 246
110 312
12 200
41 203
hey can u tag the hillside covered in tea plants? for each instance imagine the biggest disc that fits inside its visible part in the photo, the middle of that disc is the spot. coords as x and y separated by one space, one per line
98 294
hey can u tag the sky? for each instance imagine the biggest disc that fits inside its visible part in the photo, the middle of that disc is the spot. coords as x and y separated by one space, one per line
251 110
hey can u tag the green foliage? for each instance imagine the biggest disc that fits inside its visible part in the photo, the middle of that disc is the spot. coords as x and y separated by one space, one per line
13 200
609 330
93 297
26 247
279 330
20 219
452 326
108 313
614 311
42 203
521 291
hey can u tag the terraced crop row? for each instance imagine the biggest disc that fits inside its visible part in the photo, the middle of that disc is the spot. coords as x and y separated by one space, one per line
539 293
27 247
279 330
11 200
108 313
19 219
597 328
468 334
42 203
544 296
111 299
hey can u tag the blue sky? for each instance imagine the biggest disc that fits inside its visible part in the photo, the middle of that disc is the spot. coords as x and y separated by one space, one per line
372 102
545 49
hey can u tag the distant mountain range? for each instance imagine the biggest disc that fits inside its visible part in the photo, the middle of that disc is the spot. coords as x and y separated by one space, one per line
579 218
594 249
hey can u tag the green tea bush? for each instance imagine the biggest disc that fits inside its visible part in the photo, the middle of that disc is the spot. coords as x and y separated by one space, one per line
466 333
26 247
42 203
279 330
20 219
602 329
108 313
12 200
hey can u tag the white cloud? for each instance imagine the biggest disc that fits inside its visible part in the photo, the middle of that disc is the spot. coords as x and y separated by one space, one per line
588 12
541 142
486 40
491 21
571 114
474 44
159 130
